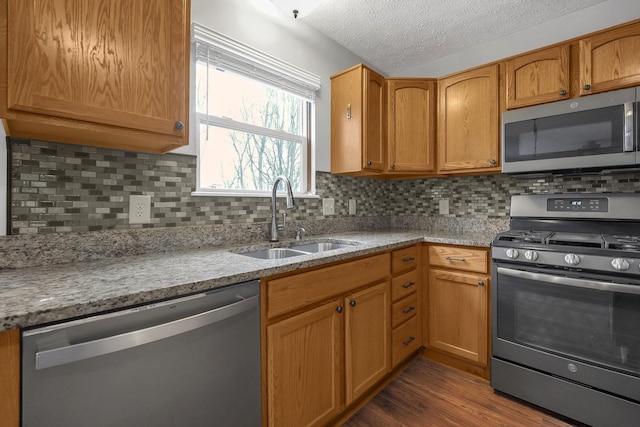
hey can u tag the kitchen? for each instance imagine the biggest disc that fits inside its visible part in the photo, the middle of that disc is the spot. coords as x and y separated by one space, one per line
475 202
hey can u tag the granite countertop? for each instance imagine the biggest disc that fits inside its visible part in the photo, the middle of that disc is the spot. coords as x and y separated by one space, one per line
33 296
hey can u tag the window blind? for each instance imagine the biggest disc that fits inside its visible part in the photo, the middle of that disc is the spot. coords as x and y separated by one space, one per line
226 53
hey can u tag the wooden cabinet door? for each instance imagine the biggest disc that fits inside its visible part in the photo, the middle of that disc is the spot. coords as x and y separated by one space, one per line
610 60
468 131
120 63
367 350
374 125
304 367
10 377
458 314
411 125
538 77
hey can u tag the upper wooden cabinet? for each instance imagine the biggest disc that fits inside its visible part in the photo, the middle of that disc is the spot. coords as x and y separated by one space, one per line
358 121
468 117
538 77
411 125
610 60
110 73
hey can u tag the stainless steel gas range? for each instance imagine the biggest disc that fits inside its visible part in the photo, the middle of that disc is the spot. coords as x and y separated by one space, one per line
566 306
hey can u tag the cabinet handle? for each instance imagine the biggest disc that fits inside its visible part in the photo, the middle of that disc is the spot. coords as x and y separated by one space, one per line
407 342
455 259
408 310
492 162
339 309
563 92
587 87
408 259
352 303
408 285
179 125
480 282
348 115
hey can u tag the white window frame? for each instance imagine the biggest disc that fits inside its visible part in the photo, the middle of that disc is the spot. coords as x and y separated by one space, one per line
223 52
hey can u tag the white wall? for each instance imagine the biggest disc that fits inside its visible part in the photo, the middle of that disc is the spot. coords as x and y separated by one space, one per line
594 18
260 25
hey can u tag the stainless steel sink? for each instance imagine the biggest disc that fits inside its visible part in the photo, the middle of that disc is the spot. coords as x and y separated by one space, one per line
273 253
295 249
319 246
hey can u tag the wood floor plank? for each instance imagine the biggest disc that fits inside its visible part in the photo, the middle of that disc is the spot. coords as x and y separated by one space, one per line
430 394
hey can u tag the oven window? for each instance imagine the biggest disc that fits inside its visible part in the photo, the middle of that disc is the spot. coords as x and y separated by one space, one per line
584 133
594 326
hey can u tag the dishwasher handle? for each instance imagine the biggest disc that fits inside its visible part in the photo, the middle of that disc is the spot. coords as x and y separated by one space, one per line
76 352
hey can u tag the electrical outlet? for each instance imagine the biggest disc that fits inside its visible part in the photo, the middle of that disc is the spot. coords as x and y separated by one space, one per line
352 206
444 207
328 206
139 209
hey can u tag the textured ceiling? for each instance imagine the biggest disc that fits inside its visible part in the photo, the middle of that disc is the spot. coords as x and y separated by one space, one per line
396 35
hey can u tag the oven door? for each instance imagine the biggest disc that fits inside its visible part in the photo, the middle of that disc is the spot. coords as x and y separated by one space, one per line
584 328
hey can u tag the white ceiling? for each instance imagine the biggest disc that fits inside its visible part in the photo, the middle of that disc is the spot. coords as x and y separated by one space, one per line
398 35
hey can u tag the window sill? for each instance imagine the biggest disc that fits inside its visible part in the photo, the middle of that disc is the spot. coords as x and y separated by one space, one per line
257 194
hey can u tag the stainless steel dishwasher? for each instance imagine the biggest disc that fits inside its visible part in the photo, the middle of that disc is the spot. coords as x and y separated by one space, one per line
191 361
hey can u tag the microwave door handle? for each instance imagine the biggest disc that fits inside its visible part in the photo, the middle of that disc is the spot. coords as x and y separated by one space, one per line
628 143
568 281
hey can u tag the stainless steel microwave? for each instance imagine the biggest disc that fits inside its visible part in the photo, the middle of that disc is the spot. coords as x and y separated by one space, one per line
593 133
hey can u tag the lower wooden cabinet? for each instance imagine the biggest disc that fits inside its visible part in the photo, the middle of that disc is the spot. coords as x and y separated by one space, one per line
458 314
304 374
322 359
10 378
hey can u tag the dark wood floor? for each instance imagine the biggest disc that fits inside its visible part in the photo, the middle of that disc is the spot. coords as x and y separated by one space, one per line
429 394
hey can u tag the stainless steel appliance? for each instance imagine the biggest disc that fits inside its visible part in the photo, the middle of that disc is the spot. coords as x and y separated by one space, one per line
593 133
566 306
192 361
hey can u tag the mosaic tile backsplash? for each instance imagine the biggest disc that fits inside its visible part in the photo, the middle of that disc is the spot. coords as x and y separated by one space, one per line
58 188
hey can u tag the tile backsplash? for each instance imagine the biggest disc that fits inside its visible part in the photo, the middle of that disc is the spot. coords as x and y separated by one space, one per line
58 188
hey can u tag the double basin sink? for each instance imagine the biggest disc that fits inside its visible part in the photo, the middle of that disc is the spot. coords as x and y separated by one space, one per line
296 249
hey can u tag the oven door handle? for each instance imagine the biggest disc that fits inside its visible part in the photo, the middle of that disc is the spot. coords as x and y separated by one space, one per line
568 281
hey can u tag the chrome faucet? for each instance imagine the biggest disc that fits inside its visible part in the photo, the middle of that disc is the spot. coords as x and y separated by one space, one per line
291 204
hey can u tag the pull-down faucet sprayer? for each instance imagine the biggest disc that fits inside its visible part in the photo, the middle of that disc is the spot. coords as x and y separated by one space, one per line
291 204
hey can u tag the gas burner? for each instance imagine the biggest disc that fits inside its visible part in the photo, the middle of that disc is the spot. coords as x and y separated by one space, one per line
523 236
624 243
585 240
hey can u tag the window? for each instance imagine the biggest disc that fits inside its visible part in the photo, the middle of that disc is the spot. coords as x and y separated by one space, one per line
254 116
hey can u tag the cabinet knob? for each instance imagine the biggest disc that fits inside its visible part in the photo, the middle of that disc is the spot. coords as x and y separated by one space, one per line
352 303
393 165
587 87
492 161
480 282
563 92
369 163
179 125
339 309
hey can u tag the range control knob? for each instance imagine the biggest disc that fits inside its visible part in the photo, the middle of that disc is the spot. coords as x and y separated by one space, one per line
512 253
572 259
531 255
620 264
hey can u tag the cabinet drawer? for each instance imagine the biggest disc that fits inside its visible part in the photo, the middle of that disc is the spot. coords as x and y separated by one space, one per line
404 309
404 340
459 258
404 259
404 285
295 291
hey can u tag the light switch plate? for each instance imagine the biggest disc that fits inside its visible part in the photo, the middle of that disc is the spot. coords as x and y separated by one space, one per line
139 209
444 206
352 206
328 206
